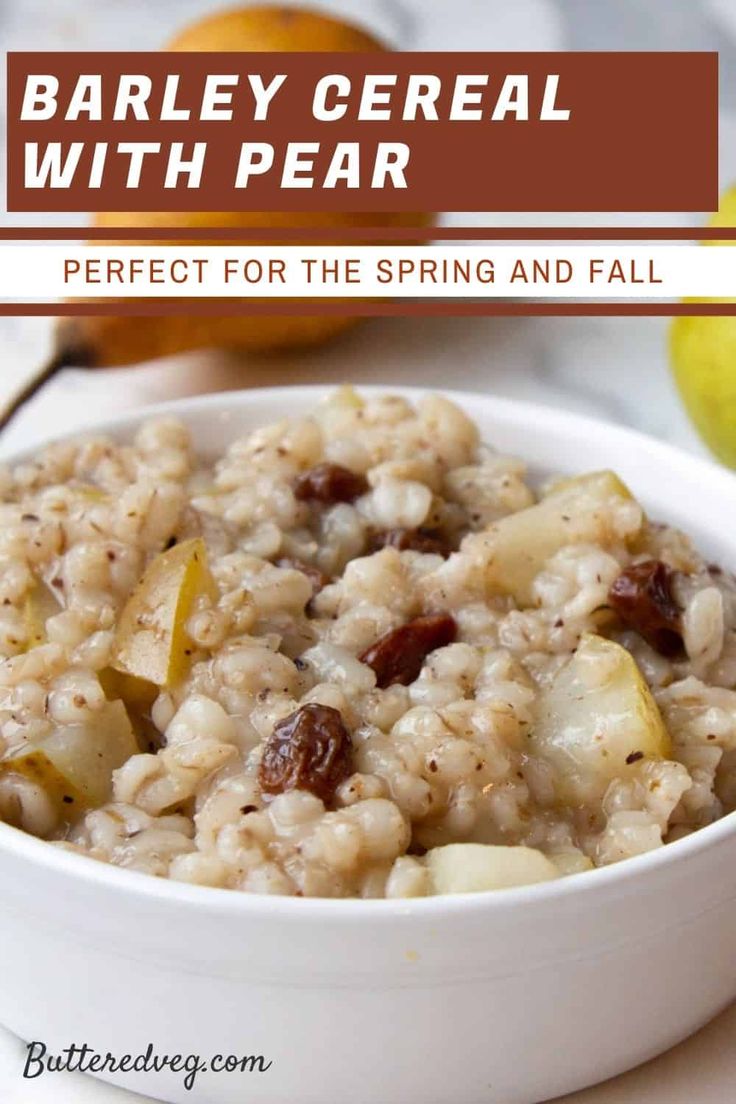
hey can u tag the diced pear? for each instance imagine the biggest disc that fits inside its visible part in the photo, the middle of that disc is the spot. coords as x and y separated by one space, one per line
575 511
473 867
152 642
596 719
74 764
40 604
138 694
606 482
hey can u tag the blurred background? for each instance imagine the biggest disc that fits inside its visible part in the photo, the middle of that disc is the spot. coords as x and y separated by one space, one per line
614 368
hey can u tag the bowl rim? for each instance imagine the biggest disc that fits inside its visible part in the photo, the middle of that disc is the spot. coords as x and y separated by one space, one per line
106 876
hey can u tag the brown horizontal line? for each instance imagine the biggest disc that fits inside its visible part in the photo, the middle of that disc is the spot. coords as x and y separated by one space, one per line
218 307
370 233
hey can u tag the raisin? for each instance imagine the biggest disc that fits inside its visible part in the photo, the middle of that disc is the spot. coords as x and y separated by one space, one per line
330 483
414 540
643 599
317 578
398 655
310 750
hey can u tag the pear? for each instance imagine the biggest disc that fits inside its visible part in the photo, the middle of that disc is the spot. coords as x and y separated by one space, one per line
474 867
111 341
40 604
269 27
152 644
703 356
516 548
74 765
597 720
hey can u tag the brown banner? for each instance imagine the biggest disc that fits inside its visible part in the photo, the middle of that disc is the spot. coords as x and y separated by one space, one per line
641 134
178 234
215 308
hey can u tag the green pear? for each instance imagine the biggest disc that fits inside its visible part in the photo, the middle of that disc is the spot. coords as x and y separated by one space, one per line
703 357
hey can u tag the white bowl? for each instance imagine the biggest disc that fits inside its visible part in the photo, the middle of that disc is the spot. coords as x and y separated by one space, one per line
513 996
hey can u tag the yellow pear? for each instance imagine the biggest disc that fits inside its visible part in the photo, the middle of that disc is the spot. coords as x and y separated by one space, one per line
596 720
703 356
515 549
271 27
108 341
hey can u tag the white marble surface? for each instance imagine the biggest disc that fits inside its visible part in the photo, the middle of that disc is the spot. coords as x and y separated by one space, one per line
616 369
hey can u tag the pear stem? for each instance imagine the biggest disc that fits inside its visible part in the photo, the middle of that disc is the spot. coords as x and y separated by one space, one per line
12 407
69 351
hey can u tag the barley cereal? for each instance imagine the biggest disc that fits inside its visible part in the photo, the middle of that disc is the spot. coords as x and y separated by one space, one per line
360 654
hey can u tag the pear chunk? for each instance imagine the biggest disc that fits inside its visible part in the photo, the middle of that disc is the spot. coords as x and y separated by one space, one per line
40 604
596 720
474 867
575 511
74 764
152 642
137 694
138 697
605 483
